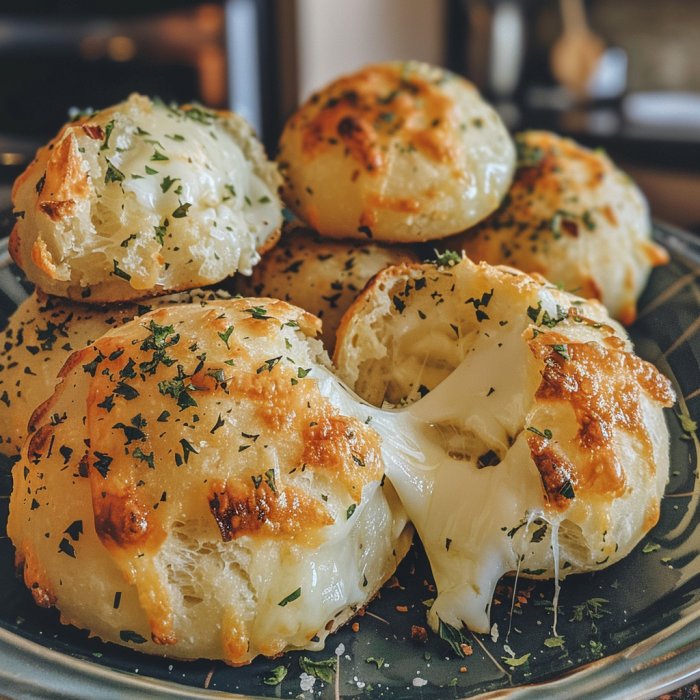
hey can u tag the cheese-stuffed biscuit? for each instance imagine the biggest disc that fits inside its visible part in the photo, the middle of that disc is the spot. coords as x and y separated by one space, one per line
144 198
534 439
192 490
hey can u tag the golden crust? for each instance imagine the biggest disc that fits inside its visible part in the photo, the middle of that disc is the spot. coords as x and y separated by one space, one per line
35 576
573 217
40 337
396 152
604 387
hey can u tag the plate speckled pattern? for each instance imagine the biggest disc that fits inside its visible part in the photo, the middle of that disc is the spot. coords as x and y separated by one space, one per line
629 632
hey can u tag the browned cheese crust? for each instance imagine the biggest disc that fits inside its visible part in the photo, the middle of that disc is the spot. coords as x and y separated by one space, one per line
398 151
189 465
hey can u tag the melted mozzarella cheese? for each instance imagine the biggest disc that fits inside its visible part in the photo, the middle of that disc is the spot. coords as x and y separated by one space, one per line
495 465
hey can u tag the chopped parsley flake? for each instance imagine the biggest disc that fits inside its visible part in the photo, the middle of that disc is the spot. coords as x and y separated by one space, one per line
161 230
220 422
113 174
109 127
277 675
562 350
514 663
269 364
454 637
102 463
290 598
187 450
258 312
181 211
133 637
323 670
118 272
226 335
167 183
148 458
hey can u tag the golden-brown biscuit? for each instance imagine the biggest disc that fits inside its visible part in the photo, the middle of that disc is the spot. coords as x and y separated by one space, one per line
574 217
399 152
143 198
319 275
200 494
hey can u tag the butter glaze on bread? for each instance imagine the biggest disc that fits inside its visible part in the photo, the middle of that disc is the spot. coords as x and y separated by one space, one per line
575 218
228 508
143 198
397 152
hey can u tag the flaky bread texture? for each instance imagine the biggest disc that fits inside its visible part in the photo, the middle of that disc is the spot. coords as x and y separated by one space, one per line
42 334
544 444
574 217
213 502
144 198
320 275
399 152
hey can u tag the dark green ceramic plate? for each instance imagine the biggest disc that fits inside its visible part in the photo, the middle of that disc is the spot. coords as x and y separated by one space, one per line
631 631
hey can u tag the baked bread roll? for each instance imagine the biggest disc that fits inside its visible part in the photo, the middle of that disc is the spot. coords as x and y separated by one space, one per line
142 198
572 216
539 444
214 502
319 275
399 152
39 338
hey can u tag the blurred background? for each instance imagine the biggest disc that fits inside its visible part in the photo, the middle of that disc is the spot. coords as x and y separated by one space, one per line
621 74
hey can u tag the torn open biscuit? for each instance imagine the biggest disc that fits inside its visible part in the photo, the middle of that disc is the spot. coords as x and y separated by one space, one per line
534 439
144 198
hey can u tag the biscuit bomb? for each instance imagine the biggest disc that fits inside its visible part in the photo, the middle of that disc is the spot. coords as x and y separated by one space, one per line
201 494
399 152
574 217
534 439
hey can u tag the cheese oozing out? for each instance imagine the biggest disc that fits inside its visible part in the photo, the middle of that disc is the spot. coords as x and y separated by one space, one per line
539 444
